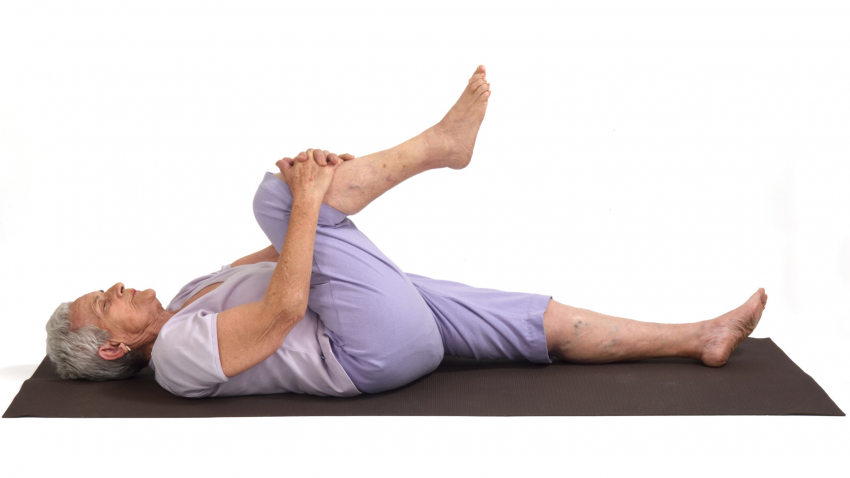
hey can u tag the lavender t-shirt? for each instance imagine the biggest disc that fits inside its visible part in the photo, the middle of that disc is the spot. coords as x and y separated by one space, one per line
185 355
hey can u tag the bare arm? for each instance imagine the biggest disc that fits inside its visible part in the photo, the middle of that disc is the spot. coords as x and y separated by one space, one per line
250 333
269 254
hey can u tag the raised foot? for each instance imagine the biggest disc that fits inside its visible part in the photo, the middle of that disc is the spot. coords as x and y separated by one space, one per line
726 332
455 134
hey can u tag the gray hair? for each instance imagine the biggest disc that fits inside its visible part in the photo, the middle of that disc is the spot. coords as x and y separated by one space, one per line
74 352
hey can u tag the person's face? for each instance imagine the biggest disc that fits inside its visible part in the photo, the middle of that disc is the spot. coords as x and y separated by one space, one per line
125 313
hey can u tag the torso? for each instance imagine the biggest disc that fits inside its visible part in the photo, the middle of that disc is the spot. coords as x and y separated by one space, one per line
206 290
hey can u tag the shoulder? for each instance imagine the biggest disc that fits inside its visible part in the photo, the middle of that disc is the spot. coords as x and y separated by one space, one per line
185 354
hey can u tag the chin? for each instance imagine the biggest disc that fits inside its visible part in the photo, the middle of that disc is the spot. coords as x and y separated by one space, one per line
148 294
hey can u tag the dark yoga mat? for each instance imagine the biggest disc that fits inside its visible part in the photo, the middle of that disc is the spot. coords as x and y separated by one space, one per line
759 379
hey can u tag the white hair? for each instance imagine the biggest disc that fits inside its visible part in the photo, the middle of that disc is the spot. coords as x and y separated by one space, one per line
74 352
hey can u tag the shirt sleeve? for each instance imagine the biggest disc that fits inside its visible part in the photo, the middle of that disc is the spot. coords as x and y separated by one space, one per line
185 355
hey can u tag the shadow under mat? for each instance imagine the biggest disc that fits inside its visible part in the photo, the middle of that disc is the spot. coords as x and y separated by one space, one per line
758 379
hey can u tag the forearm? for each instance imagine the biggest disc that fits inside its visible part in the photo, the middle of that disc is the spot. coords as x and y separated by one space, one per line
289 289
250 333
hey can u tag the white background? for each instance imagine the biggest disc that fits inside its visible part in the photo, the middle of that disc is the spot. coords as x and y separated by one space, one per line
652 160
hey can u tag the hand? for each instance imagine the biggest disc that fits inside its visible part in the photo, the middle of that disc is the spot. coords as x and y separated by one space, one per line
322 157
308 179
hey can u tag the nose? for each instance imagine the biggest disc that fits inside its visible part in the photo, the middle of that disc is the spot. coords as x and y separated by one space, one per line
118 288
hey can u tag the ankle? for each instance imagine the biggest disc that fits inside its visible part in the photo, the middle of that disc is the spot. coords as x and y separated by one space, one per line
698 339
438 145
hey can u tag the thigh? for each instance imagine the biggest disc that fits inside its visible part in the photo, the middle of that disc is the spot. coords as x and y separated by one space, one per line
486 323
381 330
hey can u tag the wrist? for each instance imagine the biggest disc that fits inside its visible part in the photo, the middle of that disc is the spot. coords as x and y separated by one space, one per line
312 197
307 200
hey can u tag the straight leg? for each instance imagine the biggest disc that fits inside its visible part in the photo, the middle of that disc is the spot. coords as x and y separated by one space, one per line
358 182
581 335
449 143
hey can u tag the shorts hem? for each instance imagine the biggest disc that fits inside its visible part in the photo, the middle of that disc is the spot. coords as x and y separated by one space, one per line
536 308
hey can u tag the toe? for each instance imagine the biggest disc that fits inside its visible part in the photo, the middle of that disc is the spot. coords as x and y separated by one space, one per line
474 85
480 72
482 88
762 296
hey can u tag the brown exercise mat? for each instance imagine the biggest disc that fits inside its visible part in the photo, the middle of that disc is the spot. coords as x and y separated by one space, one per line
759 379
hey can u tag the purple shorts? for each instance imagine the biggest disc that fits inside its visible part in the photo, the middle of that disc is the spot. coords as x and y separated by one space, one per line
388 328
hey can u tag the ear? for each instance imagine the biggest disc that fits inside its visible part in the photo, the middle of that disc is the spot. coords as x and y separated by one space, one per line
111 350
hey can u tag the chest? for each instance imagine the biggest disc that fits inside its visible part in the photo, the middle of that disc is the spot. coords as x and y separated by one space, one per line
206 290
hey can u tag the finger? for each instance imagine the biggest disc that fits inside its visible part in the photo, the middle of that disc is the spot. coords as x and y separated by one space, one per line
283 165
320 157
347 157
289 161
302 156
334 159
334 165
310 153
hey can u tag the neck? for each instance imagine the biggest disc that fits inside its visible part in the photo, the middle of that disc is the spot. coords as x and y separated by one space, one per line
152 332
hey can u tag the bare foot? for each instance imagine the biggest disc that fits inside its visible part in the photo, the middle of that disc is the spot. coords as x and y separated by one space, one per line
456 132
724 333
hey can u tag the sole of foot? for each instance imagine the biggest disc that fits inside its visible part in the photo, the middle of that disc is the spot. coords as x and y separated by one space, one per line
726 332
455 134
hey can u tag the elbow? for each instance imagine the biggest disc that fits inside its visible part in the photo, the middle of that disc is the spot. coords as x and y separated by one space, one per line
293 311
278 323
299 306
283 323
289 317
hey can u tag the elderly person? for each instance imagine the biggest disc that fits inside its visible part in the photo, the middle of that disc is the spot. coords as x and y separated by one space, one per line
323 311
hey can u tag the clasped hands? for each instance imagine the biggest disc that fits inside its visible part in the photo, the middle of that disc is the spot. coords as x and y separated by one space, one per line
321 156
309 174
